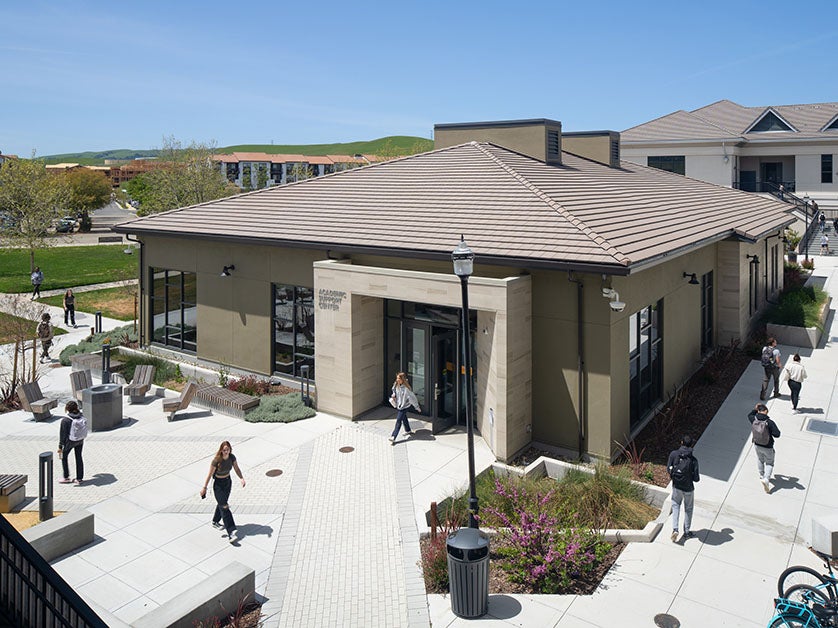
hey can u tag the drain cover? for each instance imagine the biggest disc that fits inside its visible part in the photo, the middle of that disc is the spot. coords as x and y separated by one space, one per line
823 427
662 620
346 450
272 473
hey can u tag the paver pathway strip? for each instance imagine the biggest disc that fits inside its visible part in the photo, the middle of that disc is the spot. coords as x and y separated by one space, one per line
347 566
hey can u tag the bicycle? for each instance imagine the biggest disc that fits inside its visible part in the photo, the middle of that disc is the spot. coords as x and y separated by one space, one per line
804 607
800 574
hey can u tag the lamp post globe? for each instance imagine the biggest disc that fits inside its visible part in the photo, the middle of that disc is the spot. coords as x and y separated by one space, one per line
463 259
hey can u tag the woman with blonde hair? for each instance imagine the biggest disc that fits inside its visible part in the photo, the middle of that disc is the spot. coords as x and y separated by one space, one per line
401 399
222 464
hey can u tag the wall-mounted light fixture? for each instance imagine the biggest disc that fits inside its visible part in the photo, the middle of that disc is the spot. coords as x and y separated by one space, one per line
754 258
693 279
615 304
227 269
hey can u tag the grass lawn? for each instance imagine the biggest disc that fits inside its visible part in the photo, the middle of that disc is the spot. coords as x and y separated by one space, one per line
66 267
11 327
115 303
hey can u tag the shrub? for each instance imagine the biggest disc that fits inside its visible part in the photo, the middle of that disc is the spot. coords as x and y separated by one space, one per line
91 344
164 371
435 563
799 306
250 385
536 549
808 264
280 409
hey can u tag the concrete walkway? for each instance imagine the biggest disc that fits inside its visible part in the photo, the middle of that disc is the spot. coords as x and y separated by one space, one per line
334 538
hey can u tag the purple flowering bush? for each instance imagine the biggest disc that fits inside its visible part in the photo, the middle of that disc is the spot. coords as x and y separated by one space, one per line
537 546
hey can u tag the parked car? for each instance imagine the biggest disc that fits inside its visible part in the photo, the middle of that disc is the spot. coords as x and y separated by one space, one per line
67 224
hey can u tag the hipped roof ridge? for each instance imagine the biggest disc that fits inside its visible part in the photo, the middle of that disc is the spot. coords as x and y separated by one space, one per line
558 207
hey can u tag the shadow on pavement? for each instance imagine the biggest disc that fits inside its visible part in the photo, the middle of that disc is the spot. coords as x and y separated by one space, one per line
100 479
254 529
785 482
181 416
713 537
422 434
504 607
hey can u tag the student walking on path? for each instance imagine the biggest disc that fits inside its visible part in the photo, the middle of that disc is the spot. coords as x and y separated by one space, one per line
402 398
70 308
45 335
771 364
795 373
683 469
763 433
37 278
71 437
222 464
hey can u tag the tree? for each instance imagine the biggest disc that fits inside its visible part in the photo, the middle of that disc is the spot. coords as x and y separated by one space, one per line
298 172
89 190
186 176
30 199
139 189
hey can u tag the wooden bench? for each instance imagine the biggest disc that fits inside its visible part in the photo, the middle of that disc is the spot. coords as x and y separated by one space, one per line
33 400
227 401
12 491
140 385
173 405
79 380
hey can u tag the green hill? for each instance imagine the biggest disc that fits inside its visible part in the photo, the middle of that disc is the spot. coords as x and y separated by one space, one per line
384 146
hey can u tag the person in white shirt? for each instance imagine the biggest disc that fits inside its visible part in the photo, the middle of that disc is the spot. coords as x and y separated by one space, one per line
824 244
402 398
794 374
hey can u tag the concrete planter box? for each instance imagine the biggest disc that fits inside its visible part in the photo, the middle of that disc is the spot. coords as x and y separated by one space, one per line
793 336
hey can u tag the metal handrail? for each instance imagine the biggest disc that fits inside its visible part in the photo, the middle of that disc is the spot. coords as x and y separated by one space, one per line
31 591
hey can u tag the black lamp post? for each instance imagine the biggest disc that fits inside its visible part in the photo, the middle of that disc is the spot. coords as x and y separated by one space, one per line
463 258
806 231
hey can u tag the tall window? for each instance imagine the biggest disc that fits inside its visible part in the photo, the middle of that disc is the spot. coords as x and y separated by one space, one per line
775 268
826 168
173 312
645 360
293 340
706 312
753 286
670 163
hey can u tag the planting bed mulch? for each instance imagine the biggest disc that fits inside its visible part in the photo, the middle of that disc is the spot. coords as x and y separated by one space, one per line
499 581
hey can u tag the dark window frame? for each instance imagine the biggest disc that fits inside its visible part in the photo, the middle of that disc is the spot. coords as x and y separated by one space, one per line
707 331
300 325
175 331
668 163
826 168
646 383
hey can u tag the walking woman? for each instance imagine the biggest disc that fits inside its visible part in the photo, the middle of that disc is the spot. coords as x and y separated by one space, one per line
795 373
222 464
401 399
70 307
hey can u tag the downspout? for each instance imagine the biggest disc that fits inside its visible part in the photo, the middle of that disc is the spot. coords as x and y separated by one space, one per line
580 359
141 285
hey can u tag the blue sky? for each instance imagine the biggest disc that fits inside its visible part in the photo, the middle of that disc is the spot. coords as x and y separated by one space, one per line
85 75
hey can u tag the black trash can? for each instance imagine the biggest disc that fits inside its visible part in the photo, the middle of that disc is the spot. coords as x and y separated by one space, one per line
468 572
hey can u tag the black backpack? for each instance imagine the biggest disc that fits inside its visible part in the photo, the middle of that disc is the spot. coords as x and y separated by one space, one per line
682 470
767 356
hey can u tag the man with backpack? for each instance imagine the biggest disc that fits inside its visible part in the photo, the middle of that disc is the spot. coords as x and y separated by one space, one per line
683 469
771 365
71 437
763 433
45 335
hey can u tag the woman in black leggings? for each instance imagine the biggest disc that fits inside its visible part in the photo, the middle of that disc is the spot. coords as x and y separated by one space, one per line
222 464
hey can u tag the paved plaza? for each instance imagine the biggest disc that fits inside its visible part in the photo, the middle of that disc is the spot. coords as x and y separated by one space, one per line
334 538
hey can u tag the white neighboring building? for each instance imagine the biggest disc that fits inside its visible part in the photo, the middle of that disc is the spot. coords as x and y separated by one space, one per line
756 149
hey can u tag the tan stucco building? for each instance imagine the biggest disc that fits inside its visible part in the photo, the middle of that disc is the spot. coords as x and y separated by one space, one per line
598 285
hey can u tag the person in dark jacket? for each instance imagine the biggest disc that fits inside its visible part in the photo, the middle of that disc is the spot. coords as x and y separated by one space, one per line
683 469
765 453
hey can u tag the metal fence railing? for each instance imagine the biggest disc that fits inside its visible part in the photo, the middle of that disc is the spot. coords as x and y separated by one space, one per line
31 591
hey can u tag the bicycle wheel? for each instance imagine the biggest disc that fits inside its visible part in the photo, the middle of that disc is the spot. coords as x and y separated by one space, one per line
788 622
799 574
807 595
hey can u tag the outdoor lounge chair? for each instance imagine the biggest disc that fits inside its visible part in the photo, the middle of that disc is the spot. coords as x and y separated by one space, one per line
173 405
140 385
79 380
33 400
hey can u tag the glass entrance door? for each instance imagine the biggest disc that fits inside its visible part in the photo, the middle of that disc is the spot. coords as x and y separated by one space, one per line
444 356
416 351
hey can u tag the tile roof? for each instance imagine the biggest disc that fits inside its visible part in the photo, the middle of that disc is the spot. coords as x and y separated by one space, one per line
732 120
510 208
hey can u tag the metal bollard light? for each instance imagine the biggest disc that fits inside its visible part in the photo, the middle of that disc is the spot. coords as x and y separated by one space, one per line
45 486
97 321
305 396
106 363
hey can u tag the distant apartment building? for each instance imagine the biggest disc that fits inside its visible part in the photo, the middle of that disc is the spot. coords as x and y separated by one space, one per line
4 158
259 170
756 149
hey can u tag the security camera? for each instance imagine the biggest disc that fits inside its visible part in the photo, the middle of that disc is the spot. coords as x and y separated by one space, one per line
617 306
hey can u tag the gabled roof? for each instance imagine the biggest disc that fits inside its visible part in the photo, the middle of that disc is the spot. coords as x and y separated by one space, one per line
680 124
736 120
511 209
